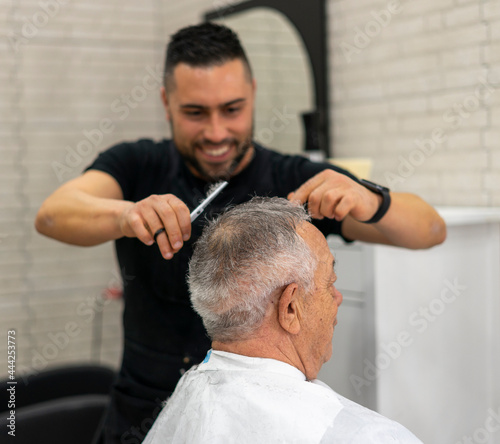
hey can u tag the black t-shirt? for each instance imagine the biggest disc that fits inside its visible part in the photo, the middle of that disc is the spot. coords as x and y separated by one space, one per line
158 314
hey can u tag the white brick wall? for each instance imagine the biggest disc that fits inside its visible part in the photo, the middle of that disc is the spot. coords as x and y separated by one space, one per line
431 75
64 73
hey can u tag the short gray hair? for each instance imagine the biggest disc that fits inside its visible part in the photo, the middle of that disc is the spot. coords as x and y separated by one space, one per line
241 258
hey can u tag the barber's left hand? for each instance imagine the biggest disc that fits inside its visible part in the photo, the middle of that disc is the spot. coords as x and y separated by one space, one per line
335 195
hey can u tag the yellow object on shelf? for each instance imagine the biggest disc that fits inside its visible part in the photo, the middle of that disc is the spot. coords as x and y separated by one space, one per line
361 167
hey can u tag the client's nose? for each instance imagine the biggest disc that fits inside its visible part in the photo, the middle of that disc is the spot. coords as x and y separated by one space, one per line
338 297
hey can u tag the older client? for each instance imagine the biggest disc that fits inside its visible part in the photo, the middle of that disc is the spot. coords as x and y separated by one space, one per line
262 279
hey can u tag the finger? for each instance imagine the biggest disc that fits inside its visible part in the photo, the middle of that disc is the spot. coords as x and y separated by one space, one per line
140 230
183 216
151 221
164 246
166 249
343 208
154 225
329 201
161 238
175 218
314 204
303 192
158 232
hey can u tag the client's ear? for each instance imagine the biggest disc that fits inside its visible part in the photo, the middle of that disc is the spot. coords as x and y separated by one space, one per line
290 309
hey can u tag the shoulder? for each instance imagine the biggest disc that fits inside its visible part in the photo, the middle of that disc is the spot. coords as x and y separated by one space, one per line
142 147
357 425
136 151
150 156
294 164
136 164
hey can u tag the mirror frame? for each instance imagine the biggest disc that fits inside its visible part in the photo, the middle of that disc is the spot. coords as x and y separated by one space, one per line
311 23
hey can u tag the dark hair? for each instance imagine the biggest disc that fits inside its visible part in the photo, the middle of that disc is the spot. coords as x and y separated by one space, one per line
203 45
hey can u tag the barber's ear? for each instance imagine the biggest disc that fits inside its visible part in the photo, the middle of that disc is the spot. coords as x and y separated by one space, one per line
290 309
164 99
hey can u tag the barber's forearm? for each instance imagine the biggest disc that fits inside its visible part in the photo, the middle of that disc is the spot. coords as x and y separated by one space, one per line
410 223
78 218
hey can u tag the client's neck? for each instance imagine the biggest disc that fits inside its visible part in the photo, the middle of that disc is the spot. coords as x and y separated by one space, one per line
263 344
250 348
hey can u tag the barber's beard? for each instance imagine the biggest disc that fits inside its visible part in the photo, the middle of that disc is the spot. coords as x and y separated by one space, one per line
241 150
189 157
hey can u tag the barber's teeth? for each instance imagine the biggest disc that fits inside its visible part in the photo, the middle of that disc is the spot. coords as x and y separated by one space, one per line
218 151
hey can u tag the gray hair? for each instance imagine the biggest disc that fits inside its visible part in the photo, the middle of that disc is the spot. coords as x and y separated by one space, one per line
241 258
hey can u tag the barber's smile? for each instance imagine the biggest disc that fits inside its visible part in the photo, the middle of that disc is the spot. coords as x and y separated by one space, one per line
217 153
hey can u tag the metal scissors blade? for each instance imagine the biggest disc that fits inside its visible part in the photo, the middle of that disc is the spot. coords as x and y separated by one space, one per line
211 196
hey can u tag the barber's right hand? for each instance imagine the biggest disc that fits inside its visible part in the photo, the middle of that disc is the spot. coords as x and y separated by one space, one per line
144 218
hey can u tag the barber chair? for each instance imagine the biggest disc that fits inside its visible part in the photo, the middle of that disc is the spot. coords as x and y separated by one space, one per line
57 406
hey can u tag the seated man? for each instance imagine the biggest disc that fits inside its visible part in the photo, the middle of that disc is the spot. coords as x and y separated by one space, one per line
262 280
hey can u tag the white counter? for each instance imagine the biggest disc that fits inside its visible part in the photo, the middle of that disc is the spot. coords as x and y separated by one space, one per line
418 337
454 216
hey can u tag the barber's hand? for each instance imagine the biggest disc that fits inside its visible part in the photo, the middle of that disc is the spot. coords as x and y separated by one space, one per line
144 218
335 195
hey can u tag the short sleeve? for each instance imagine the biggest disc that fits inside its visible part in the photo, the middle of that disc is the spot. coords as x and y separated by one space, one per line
122 162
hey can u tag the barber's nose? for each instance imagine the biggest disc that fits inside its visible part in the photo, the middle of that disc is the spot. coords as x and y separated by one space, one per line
215 130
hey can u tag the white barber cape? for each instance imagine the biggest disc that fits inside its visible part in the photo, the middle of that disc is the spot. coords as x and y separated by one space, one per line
232 398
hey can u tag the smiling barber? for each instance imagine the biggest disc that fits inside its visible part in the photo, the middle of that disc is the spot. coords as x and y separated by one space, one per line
134 190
